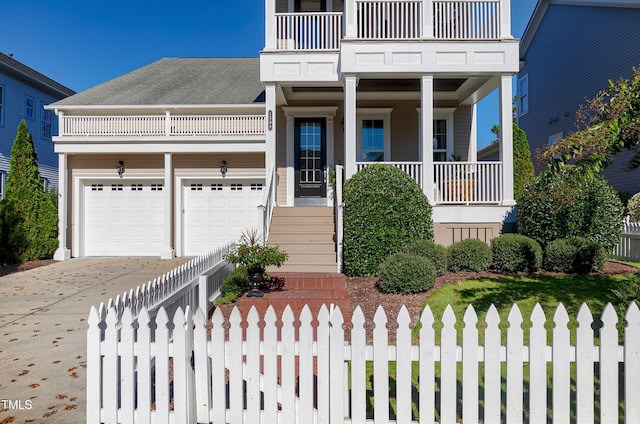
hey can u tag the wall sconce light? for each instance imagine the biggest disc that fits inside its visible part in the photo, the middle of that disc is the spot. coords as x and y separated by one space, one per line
223 167
120 168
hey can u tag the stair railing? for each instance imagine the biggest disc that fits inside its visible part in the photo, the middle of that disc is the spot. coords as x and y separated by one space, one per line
267 205
339 210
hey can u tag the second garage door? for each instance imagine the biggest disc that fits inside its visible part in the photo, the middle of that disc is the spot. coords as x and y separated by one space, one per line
217 212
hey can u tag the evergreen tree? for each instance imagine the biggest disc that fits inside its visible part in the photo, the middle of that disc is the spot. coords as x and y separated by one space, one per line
522 164
28 215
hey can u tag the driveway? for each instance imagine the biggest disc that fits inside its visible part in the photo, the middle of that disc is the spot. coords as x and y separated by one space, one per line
43 315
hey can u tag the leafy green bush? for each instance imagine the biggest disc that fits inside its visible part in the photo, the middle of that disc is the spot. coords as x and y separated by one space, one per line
404 273
559 255
522 164
235 285
385 209
516 253
633 205
469 255
570 202
626 292
428 249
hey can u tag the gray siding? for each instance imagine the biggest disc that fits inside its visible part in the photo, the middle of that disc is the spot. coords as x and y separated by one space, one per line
576 50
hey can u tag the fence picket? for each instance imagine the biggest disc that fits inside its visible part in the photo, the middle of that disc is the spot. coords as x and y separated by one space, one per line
234 358
427 367
201 362
288 367
358 368
609 366
252 377
514 406
448 374
127 376
538 366
632 364
306 366
403 367
323 364
270 386
380 367
561 366
110 368
584 366
492 371
218 368
336 367
163 394
144 386
470 398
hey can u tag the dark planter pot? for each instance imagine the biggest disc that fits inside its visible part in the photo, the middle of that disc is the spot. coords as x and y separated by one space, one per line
256 278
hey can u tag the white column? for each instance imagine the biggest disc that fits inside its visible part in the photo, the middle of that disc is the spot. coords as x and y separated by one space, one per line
426 109
473 138
269 24
291 158
350 24
505 19
506 139
350 125
270 119
427 18
63 252
168 251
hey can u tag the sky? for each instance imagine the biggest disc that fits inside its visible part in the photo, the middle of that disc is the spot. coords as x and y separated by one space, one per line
83 43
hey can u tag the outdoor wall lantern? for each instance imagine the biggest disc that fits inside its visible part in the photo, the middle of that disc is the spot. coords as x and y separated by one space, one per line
120 168
223 167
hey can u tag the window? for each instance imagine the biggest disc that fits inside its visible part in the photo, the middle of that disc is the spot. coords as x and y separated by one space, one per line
47 122
29 108
1 105
523 95
45 183
374 135
3 180
440 151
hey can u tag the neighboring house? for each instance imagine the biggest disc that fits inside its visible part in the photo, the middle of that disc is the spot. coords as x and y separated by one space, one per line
569 52
23 94
203 143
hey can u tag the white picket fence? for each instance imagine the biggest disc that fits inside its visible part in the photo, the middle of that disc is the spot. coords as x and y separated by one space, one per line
290 369
195 284
629 246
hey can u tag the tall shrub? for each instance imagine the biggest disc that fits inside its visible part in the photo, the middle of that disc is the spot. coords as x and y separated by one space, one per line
522 164
29 216
385 209
569 202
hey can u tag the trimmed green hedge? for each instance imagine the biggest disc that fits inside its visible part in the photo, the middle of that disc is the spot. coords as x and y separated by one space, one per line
428 249
516 253
385 209
469 255
404 273
577 255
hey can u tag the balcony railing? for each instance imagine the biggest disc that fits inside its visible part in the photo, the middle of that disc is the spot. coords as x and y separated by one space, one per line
457 182
162 126
390 20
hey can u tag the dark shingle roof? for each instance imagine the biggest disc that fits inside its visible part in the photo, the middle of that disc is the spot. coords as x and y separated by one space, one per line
23 71
178 81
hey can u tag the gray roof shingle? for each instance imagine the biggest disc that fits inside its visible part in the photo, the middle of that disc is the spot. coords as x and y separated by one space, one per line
179 81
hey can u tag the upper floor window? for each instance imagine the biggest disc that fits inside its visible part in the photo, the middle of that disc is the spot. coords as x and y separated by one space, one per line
310 5
47 122
374 135
523 95
29 108
1 105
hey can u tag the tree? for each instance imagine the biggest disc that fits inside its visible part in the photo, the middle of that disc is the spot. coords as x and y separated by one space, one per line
606 124
522 164
29 216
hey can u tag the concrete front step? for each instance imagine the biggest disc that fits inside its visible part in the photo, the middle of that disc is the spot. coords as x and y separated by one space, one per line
289 228
303 211
300 237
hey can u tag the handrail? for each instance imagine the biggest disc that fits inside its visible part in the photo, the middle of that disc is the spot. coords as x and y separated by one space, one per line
267 205
339 211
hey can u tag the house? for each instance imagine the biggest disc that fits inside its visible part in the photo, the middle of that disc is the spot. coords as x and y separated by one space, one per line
23 94
183 154
568 53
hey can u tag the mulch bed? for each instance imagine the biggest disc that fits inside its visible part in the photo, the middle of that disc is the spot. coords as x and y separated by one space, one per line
10 269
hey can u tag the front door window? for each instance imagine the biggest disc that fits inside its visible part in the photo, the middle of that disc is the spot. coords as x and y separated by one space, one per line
310 157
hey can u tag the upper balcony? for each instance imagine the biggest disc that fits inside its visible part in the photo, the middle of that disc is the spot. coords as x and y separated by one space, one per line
392 20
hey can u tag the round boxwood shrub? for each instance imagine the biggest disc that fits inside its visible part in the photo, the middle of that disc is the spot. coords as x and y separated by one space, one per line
404 273
516 253
430 250
469 255
558 256
385 209
633 206
569 202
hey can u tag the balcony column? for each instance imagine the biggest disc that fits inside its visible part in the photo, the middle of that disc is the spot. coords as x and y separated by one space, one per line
269 24
168 252
63 252
505 19
350 24
426 112
506 139
427 19
291 158
350 84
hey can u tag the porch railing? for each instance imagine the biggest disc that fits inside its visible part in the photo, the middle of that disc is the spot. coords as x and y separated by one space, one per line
389 20
468 182
455 20
308 31
413 169
162 126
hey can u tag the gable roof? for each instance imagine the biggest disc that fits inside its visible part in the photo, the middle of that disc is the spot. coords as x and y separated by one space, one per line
543 5
179 81
22 71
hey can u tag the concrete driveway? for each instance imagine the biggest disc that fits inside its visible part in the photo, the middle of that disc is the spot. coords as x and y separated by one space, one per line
43 315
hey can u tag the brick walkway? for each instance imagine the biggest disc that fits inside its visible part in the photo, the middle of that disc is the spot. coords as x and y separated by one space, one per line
313 289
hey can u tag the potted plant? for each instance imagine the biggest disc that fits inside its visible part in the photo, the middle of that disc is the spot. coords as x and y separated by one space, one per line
256 257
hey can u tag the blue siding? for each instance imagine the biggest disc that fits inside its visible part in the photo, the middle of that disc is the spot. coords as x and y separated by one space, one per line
574 53
15 93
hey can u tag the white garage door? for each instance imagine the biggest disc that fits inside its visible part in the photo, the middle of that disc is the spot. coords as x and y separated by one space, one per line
123 219
218 212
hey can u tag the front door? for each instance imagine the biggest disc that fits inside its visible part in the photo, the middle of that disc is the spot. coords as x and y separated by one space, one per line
311 158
